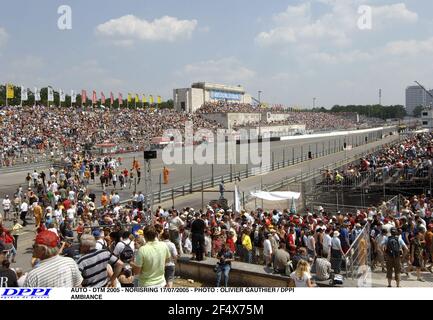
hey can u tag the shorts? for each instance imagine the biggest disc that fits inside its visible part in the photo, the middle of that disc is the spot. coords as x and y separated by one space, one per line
416 262
169 273
393 264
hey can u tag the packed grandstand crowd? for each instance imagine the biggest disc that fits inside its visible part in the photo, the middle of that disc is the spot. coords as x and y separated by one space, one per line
29 131
406 159
30 134
119 240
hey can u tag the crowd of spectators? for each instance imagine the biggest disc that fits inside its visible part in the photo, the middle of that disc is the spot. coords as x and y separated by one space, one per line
29 132
125 240
411 157
317 121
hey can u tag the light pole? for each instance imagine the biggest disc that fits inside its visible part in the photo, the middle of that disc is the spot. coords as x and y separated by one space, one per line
314 102
260 106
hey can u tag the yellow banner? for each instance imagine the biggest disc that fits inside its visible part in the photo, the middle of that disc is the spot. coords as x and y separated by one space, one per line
129 97
144 98
9 91
151 99
137 99
159 100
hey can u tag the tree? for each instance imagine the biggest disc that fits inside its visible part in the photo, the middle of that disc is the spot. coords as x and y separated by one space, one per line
417 111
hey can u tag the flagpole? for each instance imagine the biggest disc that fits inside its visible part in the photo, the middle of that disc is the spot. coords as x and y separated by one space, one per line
6 94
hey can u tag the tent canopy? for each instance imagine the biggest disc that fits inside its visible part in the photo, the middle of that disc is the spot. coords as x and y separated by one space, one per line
276 196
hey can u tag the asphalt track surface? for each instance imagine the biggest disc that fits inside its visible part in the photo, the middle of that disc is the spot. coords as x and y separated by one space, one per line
183 173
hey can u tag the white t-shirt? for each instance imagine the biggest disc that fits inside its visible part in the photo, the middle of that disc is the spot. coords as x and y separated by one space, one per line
173 252
300 283
175 223
58 215
71 213
54 187
187 246
6 204
24 207
207 244
267 247
100 244
327 242
121 245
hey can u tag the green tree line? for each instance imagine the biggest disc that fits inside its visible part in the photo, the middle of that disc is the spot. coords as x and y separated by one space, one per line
375 111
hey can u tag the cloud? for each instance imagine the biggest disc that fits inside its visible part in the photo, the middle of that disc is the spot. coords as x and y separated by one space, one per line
3 36
341 57
395 12
226 70
338 24
297 25
128 28
409 47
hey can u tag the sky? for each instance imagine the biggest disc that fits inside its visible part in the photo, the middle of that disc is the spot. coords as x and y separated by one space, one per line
292 51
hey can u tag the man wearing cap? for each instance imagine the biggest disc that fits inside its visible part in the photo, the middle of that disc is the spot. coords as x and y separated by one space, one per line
8 277
53 270
392 247
336 253
101 243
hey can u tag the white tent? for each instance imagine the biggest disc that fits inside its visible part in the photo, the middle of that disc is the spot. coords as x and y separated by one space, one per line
276 196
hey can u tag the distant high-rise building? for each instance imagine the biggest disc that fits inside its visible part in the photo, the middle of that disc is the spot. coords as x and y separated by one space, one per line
415 96
429 99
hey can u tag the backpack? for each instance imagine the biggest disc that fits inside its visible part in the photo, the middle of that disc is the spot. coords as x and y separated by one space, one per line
103 243
393 247
127 253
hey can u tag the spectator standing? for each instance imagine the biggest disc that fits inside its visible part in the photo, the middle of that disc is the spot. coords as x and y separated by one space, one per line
170 266
198 227
151 259
53 270
225 257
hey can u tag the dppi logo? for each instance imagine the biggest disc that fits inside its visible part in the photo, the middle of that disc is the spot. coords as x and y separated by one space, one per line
26 293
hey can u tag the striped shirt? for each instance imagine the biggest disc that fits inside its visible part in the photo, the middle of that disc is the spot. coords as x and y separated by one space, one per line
93 267
56 271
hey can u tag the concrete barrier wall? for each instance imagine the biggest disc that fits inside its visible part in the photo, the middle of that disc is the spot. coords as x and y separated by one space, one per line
241 274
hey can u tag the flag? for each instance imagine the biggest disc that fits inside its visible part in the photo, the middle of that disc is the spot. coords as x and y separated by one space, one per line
237 199
293 206
23 94
73 96
37 94
120 99
62 95
151 99
129 98
9 91
50 94
159 99
83 96
144 99
102 98
111 98
94 98
137 99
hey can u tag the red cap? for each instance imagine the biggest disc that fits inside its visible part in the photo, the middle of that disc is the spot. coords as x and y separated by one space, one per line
47 238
